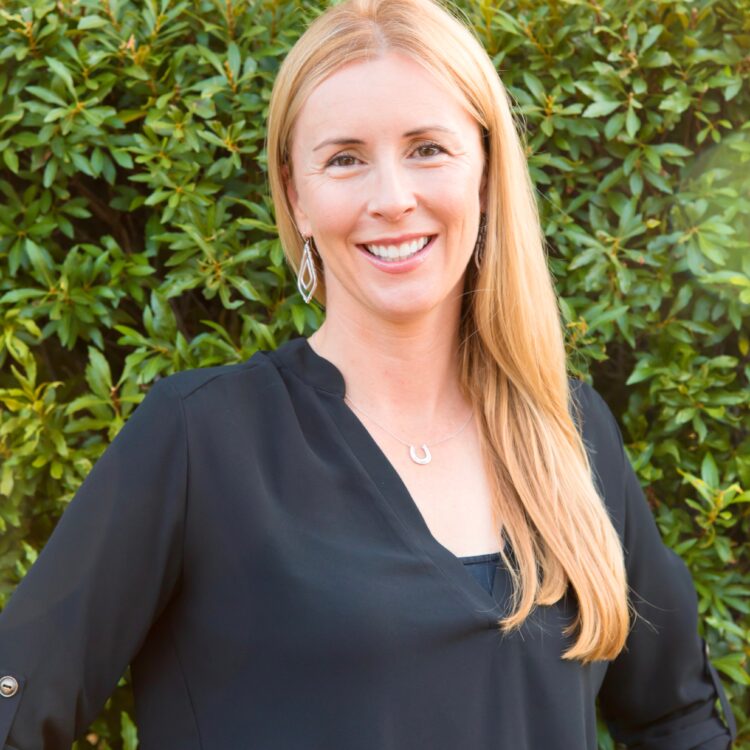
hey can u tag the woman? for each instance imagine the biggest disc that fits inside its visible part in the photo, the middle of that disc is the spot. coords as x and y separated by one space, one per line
286 549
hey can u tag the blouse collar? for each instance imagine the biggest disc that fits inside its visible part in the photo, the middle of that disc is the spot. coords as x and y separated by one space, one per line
298 356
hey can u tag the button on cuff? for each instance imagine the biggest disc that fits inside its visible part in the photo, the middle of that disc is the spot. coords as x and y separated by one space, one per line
11 689
8 686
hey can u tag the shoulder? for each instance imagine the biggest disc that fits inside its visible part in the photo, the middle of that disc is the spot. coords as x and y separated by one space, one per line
604 445
594 418
210 381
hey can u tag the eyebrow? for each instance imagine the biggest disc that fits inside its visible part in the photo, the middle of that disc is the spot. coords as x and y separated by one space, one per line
347 141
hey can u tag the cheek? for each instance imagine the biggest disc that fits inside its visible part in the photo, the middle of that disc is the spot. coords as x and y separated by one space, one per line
337 221
333 214
456 192
456 208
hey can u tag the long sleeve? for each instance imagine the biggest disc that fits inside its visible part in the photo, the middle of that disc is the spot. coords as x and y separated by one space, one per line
659 694
113 561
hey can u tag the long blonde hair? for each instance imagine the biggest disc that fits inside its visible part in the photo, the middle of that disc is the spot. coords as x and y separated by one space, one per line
513 364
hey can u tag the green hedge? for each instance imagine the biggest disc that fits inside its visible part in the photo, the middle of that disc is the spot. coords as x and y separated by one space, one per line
137 238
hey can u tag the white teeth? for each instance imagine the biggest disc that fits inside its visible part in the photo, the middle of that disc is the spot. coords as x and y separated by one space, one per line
398 252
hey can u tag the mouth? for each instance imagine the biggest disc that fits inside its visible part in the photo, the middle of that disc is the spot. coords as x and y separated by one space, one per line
401 252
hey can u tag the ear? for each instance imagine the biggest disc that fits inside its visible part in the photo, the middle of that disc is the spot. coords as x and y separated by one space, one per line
303 225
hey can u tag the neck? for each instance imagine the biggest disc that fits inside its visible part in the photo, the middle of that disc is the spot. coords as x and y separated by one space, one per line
405 375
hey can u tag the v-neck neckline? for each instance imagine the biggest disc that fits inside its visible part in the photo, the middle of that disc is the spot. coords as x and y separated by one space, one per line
323 375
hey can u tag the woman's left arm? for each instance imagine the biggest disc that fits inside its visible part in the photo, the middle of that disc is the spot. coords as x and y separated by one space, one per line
660 692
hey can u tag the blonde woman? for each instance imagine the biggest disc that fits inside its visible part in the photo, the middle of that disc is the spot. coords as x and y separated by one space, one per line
411 531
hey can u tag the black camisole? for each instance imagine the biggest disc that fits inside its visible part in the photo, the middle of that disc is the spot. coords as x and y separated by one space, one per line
483 568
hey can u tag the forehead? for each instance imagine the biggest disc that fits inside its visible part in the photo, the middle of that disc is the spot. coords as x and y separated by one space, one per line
381 95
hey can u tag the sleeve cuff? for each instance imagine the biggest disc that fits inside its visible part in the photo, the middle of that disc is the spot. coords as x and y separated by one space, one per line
11 689
723 700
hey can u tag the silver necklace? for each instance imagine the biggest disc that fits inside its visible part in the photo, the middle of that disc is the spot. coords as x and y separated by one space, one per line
426 456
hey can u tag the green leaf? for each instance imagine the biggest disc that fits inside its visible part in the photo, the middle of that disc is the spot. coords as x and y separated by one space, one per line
643 371
614 125
733 666
709 471
98 374
213 59
97 161
657 59
62 72
128 732
672 149
657 181
48 96
123 158
600 108
677 102
298 317
20 295
632 123
535 86
41 260
92 22
234 59
11 160
684 415
651 36
636 183
50 172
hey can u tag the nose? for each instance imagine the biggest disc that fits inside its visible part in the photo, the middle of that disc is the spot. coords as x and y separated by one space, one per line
392 193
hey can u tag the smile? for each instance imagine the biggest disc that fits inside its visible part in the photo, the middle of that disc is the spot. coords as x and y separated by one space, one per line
398 252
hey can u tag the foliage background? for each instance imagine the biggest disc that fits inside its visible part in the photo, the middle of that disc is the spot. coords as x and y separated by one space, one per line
137 239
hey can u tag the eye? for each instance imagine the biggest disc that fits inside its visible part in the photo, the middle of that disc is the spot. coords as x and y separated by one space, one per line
341 160
430 149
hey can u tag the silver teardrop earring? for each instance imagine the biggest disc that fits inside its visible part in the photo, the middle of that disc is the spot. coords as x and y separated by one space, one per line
481 236
307 277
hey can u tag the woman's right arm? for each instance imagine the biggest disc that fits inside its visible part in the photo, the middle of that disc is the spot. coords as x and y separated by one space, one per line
83 610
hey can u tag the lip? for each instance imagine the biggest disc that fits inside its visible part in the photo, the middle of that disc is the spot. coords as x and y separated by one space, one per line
400 266
397 240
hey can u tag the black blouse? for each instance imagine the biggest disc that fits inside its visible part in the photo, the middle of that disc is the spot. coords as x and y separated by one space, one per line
249 549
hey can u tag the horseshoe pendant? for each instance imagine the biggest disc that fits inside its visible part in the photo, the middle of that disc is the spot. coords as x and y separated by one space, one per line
415 457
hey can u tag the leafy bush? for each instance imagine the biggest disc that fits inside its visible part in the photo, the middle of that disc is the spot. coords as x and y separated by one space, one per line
137 239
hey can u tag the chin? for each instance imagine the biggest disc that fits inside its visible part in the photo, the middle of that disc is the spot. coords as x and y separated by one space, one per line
393 302
404 306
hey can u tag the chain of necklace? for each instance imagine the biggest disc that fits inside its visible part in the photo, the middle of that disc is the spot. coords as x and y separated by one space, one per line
426 456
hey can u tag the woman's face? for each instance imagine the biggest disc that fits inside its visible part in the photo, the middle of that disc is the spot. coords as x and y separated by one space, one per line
387 162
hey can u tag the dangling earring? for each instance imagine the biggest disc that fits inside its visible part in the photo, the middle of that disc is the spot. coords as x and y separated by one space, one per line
479 246
307 278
